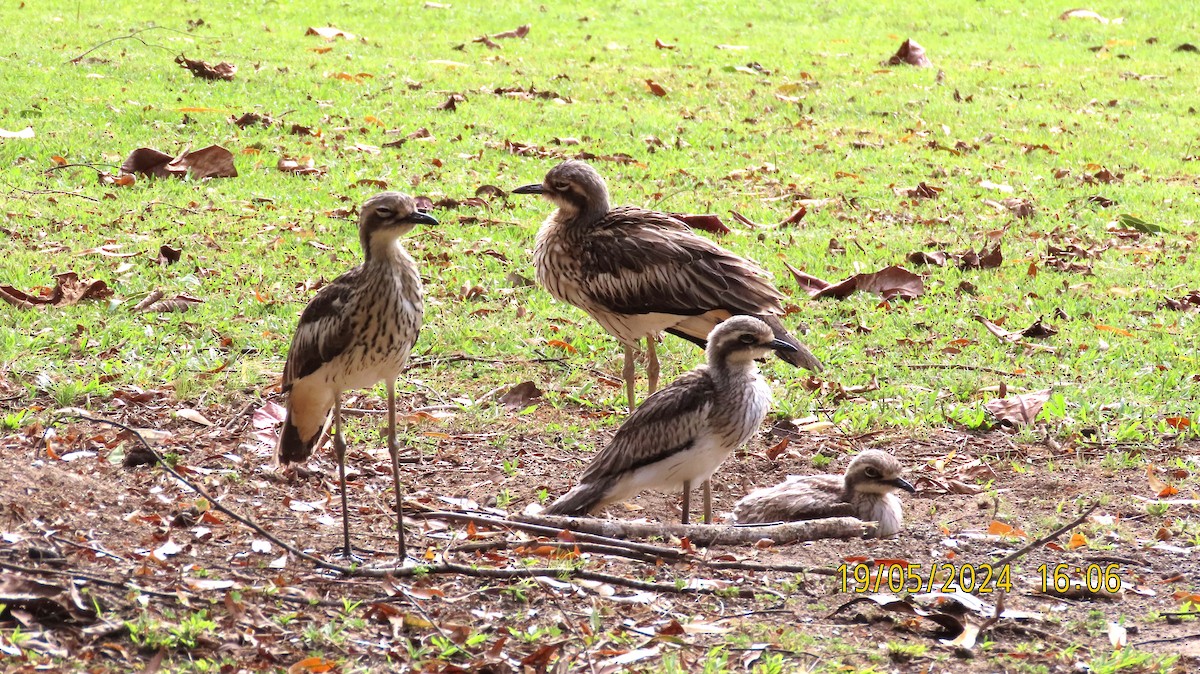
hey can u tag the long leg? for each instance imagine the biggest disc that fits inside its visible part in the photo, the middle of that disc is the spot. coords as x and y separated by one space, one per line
652 362
708 501
339 446
630 378
687 500
394 450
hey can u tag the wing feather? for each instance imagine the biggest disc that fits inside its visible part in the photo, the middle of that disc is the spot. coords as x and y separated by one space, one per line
668 422
325 328
639 261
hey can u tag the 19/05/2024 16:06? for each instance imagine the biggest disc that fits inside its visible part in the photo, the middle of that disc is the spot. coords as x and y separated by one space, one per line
899 577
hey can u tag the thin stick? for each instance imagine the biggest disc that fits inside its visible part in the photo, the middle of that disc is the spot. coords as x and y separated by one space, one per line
954 366
131 36
1048 537
553 531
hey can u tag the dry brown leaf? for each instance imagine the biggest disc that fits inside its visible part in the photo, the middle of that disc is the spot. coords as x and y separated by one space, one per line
894 282
705 221
213 161
909 53
521 396
518 32
656 88
1018 410
663 45
202 69
68 289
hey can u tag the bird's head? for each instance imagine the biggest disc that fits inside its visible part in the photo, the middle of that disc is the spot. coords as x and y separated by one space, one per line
741 340
574 187
876 472
387 216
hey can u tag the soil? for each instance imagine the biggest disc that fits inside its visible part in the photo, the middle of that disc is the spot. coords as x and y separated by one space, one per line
79 530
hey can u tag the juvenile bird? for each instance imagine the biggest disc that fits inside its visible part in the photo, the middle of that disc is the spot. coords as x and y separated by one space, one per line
866 491
639 272
357 331
682 433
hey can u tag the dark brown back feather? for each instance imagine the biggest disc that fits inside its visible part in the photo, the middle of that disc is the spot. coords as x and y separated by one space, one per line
639 261
324 330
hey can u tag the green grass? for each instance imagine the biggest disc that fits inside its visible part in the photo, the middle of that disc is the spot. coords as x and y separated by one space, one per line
732 138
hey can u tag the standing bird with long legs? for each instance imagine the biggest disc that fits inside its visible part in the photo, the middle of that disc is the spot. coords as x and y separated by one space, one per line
639 272
357 331
681 434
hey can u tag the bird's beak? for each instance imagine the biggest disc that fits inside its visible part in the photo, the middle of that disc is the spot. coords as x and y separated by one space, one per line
780 345
529 189
901 483
422 218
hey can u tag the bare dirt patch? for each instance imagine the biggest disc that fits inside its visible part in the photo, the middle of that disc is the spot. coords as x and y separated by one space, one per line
158 570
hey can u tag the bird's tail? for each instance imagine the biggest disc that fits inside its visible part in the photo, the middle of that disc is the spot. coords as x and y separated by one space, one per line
801 357
579 501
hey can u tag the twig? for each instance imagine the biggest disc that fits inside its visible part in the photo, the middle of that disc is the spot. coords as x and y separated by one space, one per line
565 572
1167 641
955 366
37 192
708 534
568 547
1047 538
132 36
554 531
58 167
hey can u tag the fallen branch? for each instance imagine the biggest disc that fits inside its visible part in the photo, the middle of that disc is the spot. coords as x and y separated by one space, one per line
697 586
709 534
551 530
1047 538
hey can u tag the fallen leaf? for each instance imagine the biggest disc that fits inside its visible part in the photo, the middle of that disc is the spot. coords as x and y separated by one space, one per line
1077 541
193 416
329 33
213 161
892 282
519 31
655 88
1134 222
909 53
222 71
1161 489
1086 14
997 528
68 289
663 45
25 133
778 448
521 396
706 222
1018 410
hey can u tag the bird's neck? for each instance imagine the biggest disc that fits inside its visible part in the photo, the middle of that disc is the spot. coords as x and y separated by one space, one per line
725 369
583 213
381 250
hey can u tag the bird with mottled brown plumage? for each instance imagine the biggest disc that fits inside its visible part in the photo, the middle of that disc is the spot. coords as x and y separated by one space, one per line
639 272
681 434
866 491
357 331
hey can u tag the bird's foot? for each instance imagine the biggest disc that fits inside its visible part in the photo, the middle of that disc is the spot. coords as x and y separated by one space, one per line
347 557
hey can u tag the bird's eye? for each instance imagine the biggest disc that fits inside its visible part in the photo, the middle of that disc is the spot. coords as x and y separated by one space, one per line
872 473
383 212
747 339
560 185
